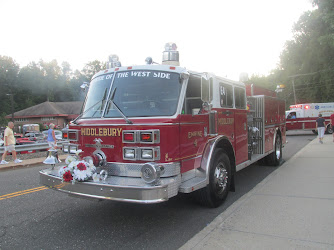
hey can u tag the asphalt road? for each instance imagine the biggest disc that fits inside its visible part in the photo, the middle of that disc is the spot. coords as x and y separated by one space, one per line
33 217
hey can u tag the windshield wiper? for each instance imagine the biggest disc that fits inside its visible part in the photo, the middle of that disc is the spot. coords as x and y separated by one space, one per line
74 121
117 108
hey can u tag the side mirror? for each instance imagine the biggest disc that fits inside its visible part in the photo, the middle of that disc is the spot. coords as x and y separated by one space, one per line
206 88
84 86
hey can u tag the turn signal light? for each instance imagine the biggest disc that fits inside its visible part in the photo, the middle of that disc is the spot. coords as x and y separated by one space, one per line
146 137
128 137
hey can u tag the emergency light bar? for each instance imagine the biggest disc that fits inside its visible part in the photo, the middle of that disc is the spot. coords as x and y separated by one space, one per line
113 62
296 106
170 56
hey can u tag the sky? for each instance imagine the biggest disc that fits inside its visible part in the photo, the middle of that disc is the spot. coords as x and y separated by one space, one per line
220 36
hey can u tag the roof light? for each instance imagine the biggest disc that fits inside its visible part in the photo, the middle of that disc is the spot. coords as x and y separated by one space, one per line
113 62
170 56
307 107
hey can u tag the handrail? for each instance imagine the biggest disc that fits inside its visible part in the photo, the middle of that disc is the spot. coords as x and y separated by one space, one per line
33 147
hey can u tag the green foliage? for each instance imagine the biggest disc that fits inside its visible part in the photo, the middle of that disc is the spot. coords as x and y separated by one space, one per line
40 82
307 60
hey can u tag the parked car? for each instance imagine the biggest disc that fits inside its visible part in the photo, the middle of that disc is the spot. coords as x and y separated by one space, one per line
1 142
58 134
21 140
35 136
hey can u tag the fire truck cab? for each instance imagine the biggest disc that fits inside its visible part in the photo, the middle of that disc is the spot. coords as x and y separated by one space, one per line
154 131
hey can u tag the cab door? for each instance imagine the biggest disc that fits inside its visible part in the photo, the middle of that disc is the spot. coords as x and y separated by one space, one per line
293 121
240 125
226 113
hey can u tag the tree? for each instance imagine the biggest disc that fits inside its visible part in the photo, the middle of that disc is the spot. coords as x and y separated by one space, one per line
92 68
307 59
8 81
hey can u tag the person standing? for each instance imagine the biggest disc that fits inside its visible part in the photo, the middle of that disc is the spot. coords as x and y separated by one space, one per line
320 125
332 123
52 137
9 143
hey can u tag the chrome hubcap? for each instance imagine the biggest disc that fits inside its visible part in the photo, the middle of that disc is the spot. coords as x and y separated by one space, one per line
221 177
278 148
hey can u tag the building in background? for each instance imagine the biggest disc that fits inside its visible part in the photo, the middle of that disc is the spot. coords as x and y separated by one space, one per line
58 113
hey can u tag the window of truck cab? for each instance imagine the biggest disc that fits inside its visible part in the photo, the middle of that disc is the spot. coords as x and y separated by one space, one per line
192 101
226 95
144 93
240 98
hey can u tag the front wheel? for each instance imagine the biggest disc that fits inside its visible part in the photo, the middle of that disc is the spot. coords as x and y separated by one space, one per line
214 194
275 158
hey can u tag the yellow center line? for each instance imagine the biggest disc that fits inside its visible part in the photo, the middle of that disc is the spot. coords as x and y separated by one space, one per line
22 191
27 191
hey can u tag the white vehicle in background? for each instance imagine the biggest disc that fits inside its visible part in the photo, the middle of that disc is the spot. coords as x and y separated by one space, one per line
1 143
26 128
303 116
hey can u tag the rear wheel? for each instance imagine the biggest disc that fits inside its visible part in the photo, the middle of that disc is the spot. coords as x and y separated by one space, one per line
214 194
329 129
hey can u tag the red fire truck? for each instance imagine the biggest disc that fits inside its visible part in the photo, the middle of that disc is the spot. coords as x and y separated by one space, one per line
303 116
153 131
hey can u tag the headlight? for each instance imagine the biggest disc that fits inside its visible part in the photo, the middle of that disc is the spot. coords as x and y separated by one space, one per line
65 148
147 153
73 149
129 153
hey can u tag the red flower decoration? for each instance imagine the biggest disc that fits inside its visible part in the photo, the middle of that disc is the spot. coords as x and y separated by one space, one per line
67 176
81 166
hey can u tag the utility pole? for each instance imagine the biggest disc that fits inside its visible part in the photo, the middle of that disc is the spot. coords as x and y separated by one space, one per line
293 82
294 92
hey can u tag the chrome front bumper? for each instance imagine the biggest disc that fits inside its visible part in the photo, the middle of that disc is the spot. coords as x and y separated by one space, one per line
126 189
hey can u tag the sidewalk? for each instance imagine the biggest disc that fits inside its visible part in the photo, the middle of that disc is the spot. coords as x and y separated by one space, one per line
28 162
293 208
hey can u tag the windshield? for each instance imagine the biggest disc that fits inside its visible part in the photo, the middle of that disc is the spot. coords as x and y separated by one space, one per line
97 95
137 93
144 93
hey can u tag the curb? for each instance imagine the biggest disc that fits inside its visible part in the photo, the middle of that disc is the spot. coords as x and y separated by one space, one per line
28 163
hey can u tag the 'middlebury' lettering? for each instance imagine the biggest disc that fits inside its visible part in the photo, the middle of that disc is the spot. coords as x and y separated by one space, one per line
101 131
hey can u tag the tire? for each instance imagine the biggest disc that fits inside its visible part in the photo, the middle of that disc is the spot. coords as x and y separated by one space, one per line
214 194
329 129
275 158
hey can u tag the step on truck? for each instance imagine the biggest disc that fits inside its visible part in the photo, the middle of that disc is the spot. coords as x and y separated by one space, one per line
303 116
149 132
